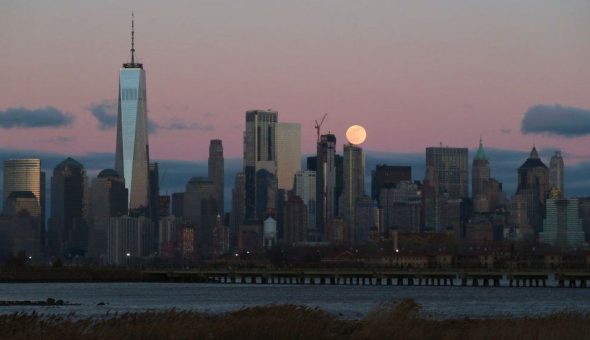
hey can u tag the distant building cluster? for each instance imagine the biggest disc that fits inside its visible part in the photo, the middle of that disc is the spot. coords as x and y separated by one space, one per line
121 218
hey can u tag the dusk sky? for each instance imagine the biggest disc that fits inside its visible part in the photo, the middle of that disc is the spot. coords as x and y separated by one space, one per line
413 73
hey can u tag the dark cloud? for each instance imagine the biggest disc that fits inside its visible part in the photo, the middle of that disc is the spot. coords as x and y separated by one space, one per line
506 131
556 120
181 125
20 117
106 114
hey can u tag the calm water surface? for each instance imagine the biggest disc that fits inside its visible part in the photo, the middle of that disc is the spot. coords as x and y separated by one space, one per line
351 302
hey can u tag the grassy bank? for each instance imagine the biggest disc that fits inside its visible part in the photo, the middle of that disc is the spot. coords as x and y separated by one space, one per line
400 321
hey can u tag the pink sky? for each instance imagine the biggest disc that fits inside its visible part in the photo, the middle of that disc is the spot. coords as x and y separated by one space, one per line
413 73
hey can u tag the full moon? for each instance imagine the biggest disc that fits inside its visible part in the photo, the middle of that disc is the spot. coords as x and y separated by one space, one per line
356 134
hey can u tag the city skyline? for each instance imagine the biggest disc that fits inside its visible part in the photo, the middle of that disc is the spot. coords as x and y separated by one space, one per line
355 83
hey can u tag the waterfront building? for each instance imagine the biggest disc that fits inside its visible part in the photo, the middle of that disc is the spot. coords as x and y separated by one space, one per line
445 179
130 240
238 211
388 176
269 235
296 219
20 233
22 175
401 207
556 174
259 153
450 168
584 203
22 203
533 188
154 182
108 198
198 190
562 227
164 205
216 172
325 184
354 181
480 176
167 238
366 217
132 151
68 233
266 194
288 152
305 188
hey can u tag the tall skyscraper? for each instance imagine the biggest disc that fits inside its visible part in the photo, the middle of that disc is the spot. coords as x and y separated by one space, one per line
238 209
22 175
305 188
132 154
480 176
533 188
154 182
288 140
259 153
354 181
445 181
556 174
67 227
216 172
325 183
450 169
108 198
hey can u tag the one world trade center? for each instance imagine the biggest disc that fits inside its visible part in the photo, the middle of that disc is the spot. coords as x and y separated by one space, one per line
132 131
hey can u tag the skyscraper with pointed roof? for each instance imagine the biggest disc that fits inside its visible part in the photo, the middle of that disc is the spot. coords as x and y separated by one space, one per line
132 154
532 188
480 176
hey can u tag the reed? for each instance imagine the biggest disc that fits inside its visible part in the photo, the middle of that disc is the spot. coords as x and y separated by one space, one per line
401 320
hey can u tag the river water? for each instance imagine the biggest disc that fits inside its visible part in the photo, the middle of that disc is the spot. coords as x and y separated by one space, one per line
349 302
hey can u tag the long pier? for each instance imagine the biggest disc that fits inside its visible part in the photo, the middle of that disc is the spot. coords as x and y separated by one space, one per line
378 277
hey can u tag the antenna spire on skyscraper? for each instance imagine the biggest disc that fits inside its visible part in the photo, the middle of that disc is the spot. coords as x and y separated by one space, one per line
132 38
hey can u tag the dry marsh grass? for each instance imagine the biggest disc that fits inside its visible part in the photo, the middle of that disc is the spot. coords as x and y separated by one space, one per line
390 321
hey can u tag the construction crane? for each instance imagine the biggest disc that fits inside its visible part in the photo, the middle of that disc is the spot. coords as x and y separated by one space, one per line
319 126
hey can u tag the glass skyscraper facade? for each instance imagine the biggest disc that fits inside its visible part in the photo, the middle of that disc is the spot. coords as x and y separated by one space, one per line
22 175
132 155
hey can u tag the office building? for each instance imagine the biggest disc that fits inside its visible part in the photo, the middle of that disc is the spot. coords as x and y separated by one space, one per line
366 219
556 174
130 240
388 176
288 146
259 154
562 227
354 181
533 187
22 175
480 176
216 172
401 207
305 188
132 153
325 183
68 233
449 165
238 211
108 198
296 219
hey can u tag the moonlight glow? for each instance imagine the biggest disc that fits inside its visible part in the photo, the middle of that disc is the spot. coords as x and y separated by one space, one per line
356 134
